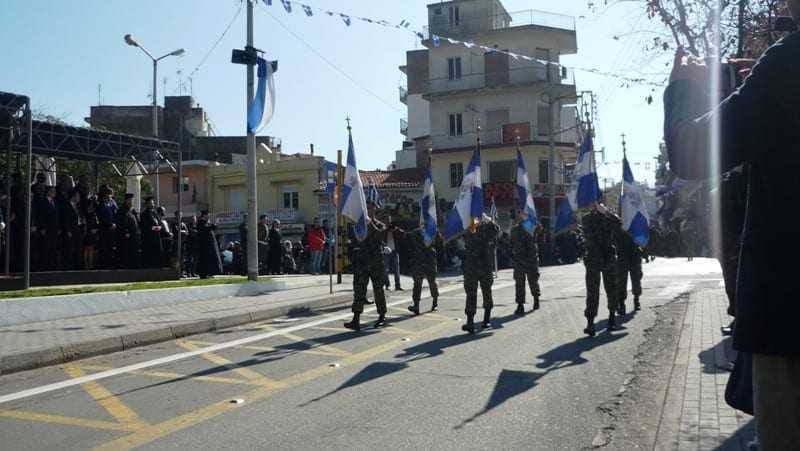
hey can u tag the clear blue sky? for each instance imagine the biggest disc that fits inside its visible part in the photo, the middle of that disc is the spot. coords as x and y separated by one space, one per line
58 52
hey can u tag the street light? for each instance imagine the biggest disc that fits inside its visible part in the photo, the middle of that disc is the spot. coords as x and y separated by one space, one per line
131 41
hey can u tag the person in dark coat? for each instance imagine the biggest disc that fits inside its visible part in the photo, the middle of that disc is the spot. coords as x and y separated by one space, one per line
128 234
150 225
209 262
275 253
263 245
167 238
91 235
107 228
242 268
48 228
757 126
192 247
72 229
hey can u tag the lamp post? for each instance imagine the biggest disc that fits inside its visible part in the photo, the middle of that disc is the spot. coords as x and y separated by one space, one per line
134 43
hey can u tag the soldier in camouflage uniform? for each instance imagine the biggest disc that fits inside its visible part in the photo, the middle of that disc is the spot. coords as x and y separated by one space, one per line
600 259
423 260
525 260
629 260
478 265
368 266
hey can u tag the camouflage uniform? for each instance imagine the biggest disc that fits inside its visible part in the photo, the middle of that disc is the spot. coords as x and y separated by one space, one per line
600 259
478 266
368 265
525 259
629 260
424 265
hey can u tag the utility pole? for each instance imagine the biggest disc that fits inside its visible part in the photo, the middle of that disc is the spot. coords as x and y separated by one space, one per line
551 172
252 199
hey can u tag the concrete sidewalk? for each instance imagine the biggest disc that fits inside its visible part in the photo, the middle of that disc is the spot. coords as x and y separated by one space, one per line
43 343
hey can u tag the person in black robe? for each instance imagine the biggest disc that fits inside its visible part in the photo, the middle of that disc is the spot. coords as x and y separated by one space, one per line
275 253
72 223
209 262
150 225
192 247
107 212
48 229
167 238
242 268
91 235
128 235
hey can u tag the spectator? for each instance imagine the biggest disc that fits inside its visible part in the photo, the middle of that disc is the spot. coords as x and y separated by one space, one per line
263 244
757 127
316 246
72 229
91 236
167 238
275 253
209 263
289 265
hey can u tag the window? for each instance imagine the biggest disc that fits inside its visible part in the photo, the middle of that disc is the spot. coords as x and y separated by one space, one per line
454 68
544 171
437 11
291 198
455 16
502 171
175 184
456 124
456 174
543 54
543 122
236 200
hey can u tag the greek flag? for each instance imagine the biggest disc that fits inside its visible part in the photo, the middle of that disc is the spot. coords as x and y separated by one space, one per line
373 195
287 5
468 207
427 214
527 209
354 205
261 108
586 175
634 214
566 211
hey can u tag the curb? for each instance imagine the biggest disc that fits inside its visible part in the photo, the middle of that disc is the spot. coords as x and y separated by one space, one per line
75 351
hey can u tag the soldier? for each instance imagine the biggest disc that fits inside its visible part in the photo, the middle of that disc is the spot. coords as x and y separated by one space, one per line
600 260
525 260
368 266
629 260
478 264
423 261
128 234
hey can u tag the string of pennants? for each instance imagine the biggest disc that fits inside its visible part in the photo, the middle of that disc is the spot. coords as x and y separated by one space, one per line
347 19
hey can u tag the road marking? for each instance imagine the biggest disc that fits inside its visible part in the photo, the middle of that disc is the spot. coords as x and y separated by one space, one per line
269 348
313 344
246 373
186 355
69 421
169 427
169 375
116 408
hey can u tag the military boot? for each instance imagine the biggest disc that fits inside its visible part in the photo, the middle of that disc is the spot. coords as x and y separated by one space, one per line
355 324
520 310
414 308
470 326
589 327
636 305
621 309
536 302
435 305
612 321
487 318
381 320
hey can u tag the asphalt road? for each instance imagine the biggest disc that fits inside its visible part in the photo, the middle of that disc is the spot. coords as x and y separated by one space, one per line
532 382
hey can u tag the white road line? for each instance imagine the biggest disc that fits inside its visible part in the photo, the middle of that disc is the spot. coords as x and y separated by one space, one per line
186 355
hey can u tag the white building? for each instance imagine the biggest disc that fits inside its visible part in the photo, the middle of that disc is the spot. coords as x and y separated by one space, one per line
452 88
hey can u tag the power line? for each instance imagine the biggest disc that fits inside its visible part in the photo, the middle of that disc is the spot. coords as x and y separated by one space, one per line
222 36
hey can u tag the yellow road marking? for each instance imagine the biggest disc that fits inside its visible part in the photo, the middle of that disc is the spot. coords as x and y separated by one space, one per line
246 373
169 427
273 349
106 399
313 343
69 421
168 375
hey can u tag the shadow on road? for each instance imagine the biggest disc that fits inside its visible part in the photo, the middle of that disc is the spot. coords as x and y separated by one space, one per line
510 383
738 441
571 354
717 358
370 373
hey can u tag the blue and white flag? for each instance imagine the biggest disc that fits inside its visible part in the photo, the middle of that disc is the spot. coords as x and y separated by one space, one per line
566 211
373 195
427 213
586 175
345 19
437 41
287 5
307 9
635 220
527 209
263 105
354 205
468 207
493 210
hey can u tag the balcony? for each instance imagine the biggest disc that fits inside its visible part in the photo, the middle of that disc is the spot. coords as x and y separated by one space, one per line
404 127
486 21
403 94
515 77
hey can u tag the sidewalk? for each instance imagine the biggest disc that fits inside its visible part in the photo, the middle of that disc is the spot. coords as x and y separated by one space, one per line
696 416
38 344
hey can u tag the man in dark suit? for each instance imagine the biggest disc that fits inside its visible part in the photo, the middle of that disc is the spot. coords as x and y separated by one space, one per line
758 127
72 221
48 228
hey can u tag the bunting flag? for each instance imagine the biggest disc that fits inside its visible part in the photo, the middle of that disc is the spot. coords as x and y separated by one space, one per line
635 220
287 5
307 9
373 196
354 205
527 209
588 190
262 106
345 18
437 42
427 213
468 207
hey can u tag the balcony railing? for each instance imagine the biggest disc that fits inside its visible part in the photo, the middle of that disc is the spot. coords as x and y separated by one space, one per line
403 94
535 73
404 127
487 20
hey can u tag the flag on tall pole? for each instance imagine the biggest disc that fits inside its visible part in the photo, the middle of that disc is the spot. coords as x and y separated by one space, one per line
588 190
373 195
262 106
354 204
427 213
468 207
566 211
527 209
635 220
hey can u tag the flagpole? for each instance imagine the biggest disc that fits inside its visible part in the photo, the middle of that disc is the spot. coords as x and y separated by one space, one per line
252 190
339 228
